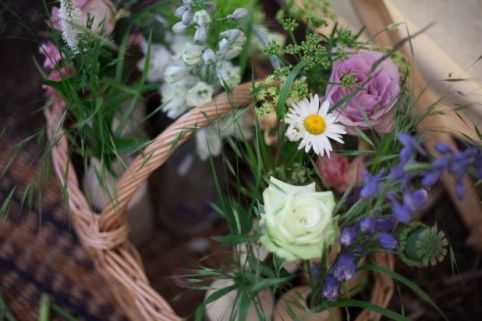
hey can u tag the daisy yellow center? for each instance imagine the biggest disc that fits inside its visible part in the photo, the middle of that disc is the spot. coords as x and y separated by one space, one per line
314 124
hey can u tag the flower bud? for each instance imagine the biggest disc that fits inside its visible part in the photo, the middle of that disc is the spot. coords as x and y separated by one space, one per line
192 54
180 11
209 56
238 14
187 17
179 27
201 35
202 18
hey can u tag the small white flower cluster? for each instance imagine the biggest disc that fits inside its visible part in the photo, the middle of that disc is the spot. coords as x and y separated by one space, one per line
193 73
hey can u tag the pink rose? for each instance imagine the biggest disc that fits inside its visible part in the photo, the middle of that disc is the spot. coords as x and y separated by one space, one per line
372 105
51 54
337 172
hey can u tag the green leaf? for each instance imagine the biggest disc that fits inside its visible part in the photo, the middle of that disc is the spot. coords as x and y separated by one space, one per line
285 89
267 283
414 287
199 314
368 306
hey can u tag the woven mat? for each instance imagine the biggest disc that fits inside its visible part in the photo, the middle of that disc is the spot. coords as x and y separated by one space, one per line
39 253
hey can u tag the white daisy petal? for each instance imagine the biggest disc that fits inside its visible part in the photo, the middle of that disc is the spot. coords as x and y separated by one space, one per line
311 125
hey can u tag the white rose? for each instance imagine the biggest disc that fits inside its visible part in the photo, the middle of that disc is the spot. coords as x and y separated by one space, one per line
192 54
297 222
228 75
199 95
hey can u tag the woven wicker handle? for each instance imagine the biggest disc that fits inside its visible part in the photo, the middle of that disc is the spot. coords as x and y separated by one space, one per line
166 143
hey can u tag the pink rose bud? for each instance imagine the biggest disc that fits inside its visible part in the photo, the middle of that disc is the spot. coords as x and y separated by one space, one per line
372 104
339 173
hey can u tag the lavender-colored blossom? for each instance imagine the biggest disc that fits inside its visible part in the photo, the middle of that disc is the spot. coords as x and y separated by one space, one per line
432 176
331 287
384 224
345 267
367 225
371 184
348 235
443 148
415 200
401 212
387 241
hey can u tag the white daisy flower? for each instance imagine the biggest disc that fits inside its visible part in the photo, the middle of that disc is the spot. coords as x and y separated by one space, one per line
313 126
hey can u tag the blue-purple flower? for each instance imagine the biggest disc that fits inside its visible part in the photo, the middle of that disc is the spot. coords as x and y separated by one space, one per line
387 241
371 184
348 235
331 287
345 267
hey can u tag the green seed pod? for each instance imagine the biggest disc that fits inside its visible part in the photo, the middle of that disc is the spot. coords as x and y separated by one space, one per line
422 245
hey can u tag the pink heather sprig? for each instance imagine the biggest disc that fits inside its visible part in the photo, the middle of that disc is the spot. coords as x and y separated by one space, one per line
51 53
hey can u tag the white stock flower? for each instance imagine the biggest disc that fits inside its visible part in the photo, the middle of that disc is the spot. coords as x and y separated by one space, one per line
313 126
174 96
192 54
176 72
201 18
297 222
228 75
231 43
199 95
208 142
159 60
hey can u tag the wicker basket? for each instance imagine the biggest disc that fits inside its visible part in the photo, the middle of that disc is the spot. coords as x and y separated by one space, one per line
105 235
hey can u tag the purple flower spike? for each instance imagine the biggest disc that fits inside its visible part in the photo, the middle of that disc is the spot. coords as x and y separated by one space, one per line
371 184
348 235
387 241
415 200
330 287
367 225
431 177
401 212
443 148
384 224
345 267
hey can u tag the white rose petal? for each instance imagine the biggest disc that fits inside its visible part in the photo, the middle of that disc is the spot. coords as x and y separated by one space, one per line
297 221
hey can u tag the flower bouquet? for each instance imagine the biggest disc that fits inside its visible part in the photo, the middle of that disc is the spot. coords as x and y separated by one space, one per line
328 176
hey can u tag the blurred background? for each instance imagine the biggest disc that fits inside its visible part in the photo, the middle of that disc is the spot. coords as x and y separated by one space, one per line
39 252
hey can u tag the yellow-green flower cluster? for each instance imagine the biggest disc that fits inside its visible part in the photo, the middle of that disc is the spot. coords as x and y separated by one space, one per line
267 93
